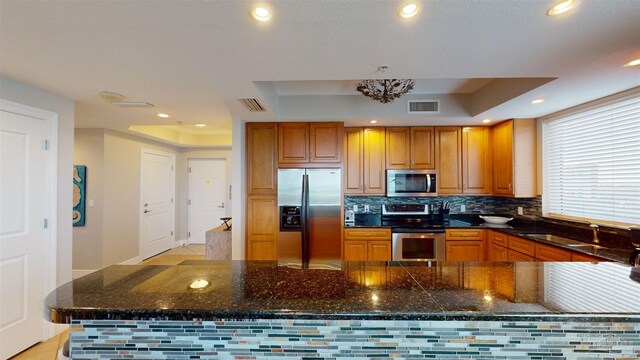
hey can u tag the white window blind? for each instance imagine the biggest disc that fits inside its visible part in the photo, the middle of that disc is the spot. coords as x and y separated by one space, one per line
592 163
583 287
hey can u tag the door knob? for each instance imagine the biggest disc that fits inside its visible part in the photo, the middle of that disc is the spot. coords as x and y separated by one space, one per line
221 206
147 211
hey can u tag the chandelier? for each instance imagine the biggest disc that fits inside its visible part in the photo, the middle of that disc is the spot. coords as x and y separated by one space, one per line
385 90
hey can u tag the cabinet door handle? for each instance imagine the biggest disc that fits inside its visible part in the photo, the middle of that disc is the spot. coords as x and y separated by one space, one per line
510 187
147 211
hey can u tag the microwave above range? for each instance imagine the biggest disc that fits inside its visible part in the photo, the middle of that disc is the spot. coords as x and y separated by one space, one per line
412 183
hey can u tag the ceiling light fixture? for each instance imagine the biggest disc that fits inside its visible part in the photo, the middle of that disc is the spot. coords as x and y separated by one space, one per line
562 7
633 63
373 122
201 125
409 10
164 116
261 13
486 121
385 90
537 101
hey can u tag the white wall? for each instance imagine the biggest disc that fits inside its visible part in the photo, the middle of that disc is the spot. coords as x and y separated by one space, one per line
87 240
182 183
239 192
65 108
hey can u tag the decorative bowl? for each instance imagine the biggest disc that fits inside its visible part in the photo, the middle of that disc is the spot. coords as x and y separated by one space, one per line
498 220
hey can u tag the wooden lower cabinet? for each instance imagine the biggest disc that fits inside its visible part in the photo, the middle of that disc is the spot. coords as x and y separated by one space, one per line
584 257
355 250
551 253
466 250
497 253
522 246
367 244
515 256
262 227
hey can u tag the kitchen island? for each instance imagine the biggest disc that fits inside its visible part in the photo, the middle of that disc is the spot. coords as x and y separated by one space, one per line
231 309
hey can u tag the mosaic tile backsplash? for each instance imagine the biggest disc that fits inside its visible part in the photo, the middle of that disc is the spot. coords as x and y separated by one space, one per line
352 339
474 204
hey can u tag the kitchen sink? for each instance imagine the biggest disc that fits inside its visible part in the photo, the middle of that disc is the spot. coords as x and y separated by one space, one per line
565 241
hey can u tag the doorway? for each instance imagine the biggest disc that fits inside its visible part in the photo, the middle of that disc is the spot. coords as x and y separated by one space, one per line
207 197
157 208
27 224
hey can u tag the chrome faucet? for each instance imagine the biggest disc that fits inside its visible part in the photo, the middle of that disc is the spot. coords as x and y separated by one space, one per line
595 229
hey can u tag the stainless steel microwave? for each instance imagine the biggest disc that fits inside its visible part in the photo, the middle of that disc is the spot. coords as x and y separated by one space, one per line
411 183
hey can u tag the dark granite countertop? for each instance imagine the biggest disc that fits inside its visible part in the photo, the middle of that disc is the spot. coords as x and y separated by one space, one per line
612 250
353 290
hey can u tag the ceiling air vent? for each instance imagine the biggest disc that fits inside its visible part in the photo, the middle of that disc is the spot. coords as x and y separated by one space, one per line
252 104
423 106
132 104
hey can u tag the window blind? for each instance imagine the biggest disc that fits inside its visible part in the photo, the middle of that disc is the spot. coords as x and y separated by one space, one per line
582 287
591 163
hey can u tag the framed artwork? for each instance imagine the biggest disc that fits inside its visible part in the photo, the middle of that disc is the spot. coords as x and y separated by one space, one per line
79 194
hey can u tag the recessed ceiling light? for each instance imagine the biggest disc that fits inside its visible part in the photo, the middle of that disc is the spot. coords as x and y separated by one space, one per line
373 121
409 10
537 101
633 63
486 121
562 7
261 13
201 125
164 116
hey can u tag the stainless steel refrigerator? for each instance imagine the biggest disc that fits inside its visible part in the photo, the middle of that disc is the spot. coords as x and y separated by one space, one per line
310 203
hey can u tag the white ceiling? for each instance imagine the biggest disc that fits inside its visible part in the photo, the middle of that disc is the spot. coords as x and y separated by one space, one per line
194 59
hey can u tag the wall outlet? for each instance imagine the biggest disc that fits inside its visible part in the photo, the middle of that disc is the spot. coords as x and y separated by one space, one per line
366 208
355 208
463 208
520 210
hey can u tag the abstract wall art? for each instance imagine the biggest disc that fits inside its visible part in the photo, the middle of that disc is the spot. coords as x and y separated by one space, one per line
79 194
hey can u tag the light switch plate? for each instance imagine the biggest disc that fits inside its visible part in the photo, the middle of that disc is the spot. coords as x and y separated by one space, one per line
520 210
355 208
463 208
90 203
366 208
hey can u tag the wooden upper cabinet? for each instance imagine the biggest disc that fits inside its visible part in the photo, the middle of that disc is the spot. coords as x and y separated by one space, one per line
374 161
449 160
325 142
309 143
398 147
293 143
262 158
422 147
353 160
476 160
514 158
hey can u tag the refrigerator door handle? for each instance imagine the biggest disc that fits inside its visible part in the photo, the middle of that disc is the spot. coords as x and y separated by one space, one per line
305 219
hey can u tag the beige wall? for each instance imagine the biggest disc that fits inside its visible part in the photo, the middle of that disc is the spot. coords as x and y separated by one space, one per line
182 183
87 240
65 108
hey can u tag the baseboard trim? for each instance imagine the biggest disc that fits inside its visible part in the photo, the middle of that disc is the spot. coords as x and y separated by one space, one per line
133 261
182 242
80 273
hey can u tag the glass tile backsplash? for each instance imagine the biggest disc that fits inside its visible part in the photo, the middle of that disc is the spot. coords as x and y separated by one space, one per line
532 207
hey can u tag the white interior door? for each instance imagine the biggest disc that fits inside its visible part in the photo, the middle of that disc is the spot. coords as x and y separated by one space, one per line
207 196
23 207
157 191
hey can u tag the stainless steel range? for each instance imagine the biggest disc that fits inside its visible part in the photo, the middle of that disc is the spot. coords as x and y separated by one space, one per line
416 234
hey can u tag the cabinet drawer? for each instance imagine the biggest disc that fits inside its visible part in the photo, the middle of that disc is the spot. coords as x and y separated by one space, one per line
522 246
551 253
465 234
497 238
584 257
367 233
516 256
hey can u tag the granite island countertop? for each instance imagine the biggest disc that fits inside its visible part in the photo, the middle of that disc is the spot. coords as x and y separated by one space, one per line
352 290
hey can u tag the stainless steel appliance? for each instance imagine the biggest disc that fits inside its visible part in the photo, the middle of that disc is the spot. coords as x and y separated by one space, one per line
310 202
411 183
416 234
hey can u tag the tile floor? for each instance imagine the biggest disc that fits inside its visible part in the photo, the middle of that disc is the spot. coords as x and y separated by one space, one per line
48 350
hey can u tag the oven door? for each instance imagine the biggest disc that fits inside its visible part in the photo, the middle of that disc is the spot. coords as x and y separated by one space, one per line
418 246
